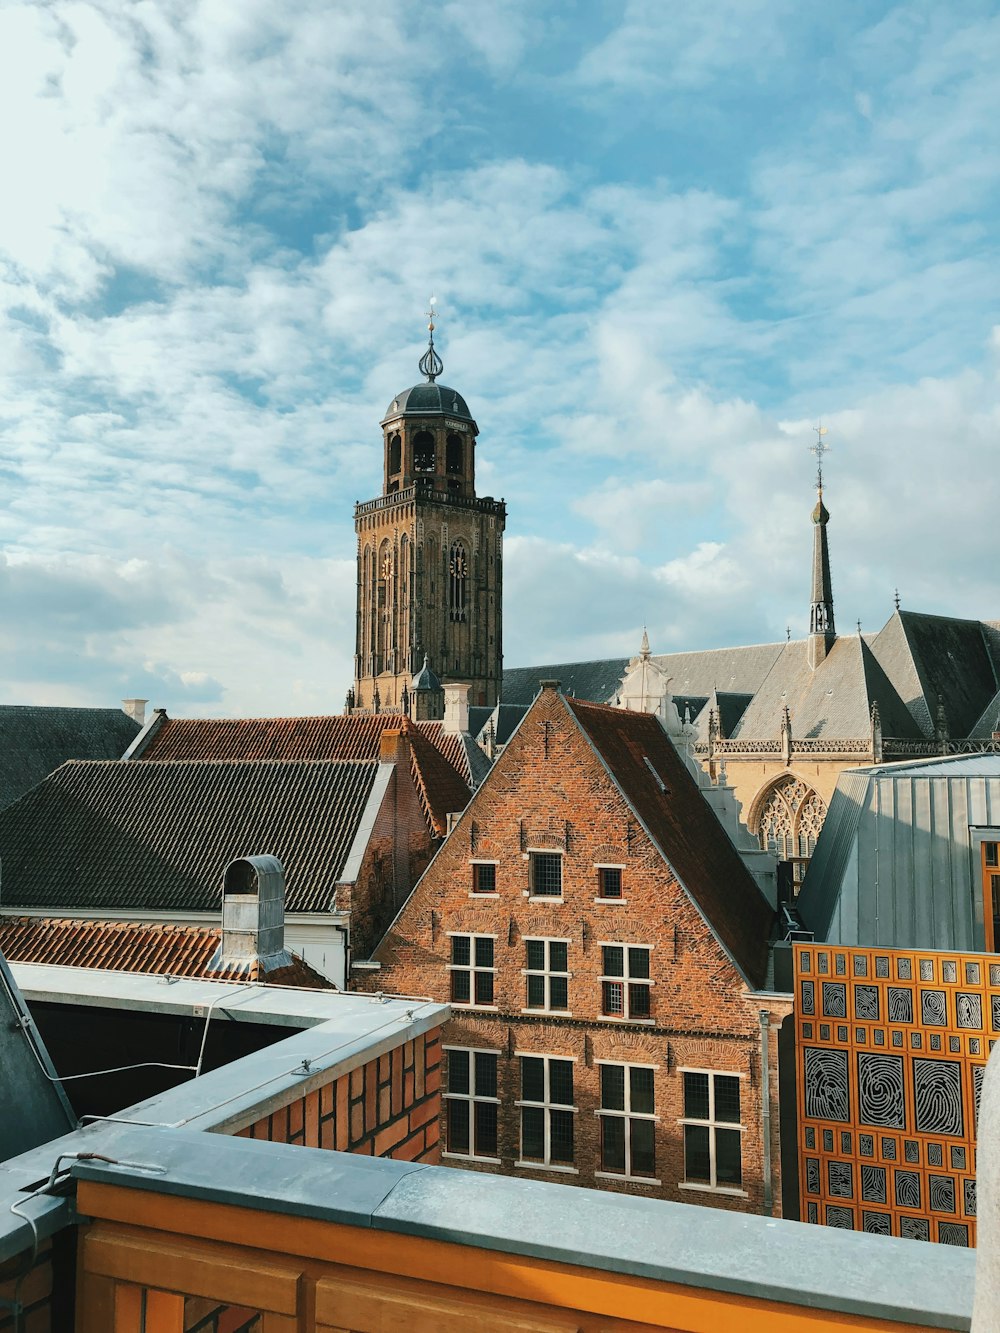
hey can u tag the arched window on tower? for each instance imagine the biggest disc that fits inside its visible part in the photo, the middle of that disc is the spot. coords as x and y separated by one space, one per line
454 455
423 451
458 571
395 455
788 822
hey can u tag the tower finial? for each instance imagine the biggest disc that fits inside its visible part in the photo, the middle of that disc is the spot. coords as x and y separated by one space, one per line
822 632
895 598
819 449
430 363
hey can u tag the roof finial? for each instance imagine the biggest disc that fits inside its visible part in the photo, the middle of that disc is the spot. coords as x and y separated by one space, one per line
819 449
644 646
788 633
430 363
895 598
859 626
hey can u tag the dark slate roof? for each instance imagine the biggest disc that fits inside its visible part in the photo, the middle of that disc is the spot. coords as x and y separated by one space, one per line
684 828
596 681
427 400
504 719
728 707
989 720
35 741
834 701
926 656
158 836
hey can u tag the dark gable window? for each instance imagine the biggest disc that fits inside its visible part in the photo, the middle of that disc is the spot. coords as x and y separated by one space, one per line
546 874
609 881
484 878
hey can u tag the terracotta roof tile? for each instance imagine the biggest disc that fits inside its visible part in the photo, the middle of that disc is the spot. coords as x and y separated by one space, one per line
684 827
138 946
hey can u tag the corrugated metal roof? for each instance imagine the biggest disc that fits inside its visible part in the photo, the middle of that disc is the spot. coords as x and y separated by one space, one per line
139 946
158 836
34 741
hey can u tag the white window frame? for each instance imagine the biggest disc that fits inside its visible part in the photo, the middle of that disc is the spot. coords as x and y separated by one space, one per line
483 861
472 1097
546 974
610 865
530 893
472 969
628 1115
711 1124
625 981
546 1106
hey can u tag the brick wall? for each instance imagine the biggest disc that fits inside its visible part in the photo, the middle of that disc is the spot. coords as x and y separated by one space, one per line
388 1107
549 790
34 1291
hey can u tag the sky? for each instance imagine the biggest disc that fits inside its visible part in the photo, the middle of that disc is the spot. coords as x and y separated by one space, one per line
666 242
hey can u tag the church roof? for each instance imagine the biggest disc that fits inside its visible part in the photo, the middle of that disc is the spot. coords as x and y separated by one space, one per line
428 400
34 741
596 681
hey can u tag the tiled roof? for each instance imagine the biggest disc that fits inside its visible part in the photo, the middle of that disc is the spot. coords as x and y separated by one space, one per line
35 741
159 836
585 680
684 827
138 946
335 737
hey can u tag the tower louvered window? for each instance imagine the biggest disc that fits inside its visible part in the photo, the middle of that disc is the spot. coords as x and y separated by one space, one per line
458 571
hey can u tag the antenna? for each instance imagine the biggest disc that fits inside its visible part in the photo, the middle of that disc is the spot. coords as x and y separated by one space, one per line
819 449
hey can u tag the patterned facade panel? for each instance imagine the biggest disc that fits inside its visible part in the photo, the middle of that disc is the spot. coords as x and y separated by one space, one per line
891 1048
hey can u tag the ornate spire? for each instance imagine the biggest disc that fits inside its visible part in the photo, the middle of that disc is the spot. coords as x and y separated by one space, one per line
822 630
430 363
644 646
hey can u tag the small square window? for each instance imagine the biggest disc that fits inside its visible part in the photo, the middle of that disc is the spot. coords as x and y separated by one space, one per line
609 881
546 875
484 878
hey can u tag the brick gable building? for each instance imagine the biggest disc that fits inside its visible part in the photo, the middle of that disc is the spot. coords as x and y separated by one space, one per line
605 952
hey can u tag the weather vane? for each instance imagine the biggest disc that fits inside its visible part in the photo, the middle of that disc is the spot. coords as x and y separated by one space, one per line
430 363
819 449
895 598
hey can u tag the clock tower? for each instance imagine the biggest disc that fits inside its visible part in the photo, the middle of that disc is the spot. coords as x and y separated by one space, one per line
430 554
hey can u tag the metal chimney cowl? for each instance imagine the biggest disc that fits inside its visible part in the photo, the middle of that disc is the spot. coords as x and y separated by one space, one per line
253 915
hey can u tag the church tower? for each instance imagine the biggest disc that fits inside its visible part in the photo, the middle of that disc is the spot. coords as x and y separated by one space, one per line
822 631
430 555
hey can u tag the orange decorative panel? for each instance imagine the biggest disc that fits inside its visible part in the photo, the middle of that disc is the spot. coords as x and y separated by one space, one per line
891 1047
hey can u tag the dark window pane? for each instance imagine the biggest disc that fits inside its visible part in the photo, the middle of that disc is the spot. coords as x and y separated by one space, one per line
536 992
561 1131
532 1079
638 1001
535 951
559 993
532 1133
460 947
546 874
643 1153
612 1143
696 1096
727 1099
486 1075
696 1161
484 951
484 879
610 882
561 1082
458 1071
642 1090
613 997
613 1087
458 1126
486 1129
991 853
460 992
484 987
638 962
728 1169
557 956
614 960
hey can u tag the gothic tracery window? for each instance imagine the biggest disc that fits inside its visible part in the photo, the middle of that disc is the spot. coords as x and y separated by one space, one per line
788 823
458 571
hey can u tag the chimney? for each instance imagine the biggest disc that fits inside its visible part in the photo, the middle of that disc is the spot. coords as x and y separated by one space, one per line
136 709
253 917
456 709
394 747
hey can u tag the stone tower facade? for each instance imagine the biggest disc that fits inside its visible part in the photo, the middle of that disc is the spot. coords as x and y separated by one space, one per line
430 555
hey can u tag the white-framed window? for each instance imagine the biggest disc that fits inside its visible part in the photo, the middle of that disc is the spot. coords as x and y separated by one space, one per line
472 969
609 882
547 1111
471 1104
628 1120
546 972
625 982
713 1132
484 877
545 874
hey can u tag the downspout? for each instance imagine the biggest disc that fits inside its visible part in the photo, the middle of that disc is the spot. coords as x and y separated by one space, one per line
765 1097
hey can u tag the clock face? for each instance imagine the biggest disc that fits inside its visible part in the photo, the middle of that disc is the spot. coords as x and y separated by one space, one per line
458 564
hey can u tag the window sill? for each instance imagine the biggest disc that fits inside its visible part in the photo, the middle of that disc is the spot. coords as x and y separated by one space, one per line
729 1190
627 1180
549 1013
474 1008
484 895
617 1018
619 902
467 1157
545 898
540 1166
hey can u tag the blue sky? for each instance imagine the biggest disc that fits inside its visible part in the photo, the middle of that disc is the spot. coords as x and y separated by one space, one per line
665 241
